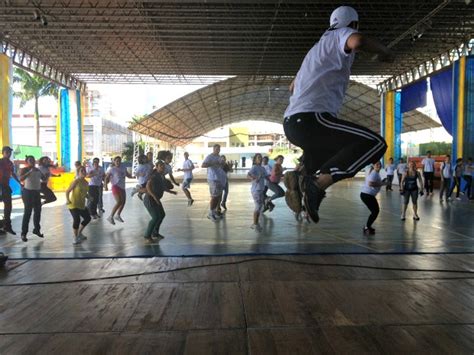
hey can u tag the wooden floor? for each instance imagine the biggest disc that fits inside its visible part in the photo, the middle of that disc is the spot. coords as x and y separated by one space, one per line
247 306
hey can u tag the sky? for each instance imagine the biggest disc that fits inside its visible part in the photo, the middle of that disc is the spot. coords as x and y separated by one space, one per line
130 100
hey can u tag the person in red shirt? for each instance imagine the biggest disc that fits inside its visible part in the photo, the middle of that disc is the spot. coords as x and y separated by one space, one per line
6 172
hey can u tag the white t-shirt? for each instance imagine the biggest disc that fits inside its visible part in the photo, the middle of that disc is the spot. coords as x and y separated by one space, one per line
258 172
143 172
372 177
98 175
401 168
428 165
188 164
446 170
321 82
117 175
390 169
215 172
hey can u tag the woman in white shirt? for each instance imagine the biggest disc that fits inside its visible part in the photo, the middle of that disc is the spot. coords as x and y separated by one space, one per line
31 177
371 188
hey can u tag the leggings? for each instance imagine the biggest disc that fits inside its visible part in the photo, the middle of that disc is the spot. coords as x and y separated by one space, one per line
225 192
467 189
47 194
428 181
32 202
333 146
276 189
445 188
389 182
7 205
94 194
76 214
157 214
457 185
371 202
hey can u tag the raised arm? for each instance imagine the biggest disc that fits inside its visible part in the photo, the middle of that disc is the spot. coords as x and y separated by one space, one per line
361 42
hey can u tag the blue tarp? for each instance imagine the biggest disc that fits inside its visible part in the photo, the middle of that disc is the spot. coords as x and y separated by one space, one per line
442 88
414 96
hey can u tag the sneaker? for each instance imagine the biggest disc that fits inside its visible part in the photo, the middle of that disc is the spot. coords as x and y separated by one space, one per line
219 215
256 227
402 217
223 205
10 231
458 198
293 193
82 237
110 219
76 241
416 218
159 236
271 206
118 218
148 239
212 217
38 233
266 206
95 217
24 238
369 231
191 201
313 196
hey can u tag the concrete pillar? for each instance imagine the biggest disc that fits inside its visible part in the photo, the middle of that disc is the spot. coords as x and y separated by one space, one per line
6 81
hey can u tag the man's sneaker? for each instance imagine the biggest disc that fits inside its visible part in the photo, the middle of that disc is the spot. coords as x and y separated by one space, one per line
370 231
38 233
212 217
313 196
256 227
110 219
81 237
118 218
76 241
293 194
24 238
190 202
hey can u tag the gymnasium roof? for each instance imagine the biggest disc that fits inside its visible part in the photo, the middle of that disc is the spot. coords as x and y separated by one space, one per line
264 98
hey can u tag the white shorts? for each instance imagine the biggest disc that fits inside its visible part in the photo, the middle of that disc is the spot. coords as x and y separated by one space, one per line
186 183
259 200
215 188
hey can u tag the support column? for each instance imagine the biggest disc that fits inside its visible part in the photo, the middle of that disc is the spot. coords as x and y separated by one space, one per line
463 111
6 81
391 124
69 128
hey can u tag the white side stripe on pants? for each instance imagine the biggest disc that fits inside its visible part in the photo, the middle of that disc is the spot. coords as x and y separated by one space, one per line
353 130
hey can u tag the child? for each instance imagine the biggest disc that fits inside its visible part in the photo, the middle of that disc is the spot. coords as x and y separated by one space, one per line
390 169
188 168
258 175
457 178
446 176
142 172
372 186
77 204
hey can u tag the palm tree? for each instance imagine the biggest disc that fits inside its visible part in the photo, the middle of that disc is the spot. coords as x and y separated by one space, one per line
32 88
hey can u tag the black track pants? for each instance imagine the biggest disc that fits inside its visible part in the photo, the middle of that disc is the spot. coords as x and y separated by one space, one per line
333 146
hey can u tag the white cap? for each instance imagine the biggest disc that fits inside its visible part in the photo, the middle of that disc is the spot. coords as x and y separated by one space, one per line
343 16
